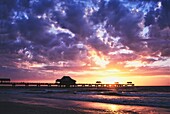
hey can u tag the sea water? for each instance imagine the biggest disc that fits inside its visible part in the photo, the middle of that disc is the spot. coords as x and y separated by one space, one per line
153 100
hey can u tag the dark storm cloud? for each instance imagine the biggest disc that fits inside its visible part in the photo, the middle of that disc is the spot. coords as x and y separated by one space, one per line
29 30
73 18
34 30
63 53
156 18
24 15
97 44
117 15
160 16
63 39
164 19
41 6
150 18
121 19
159 40
131 30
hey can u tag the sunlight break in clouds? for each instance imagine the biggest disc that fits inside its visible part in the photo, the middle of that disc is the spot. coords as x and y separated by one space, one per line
98 58
45 39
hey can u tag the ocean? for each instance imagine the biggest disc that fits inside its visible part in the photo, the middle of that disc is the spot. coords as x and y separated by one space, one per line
125 100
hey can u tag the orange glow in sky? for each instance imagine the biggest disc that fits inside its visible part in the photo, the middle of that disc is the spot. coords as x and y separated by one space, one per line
97 57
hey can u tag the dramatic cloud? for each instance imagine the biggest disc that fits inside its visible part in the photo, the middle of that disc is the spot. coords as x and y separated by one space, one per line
47 35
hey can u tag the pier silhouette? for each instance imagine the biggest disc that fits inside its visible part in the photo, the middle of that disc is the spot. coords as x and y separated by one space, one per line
64 82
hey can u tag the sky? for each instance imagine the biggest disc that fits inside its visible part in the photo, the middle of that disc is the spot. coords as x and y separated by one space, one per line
89 40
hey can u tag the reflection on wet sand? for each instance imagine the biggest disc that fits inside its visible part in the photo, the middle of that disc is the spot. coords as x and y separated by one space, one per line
123 109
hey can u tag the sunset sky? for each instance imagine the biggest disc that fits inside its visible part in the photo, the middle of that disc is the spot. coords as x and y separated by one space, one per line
89 40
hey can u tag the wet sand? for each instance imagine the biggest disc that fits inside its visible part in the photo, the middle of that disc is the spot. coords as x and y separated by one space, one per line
19 108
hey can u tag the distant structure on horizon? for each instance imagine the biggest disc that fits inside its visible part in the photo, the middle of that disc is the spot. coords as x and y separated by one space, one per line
116 82
4 80
66 80
98 82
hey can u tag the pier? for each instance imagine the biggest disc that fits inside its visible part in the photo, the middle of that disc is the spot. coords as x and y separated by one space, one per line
81 85
64 82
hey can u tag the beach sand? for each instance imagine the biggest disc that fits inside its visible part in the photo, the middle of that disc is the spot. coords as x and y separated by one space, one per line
20 108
